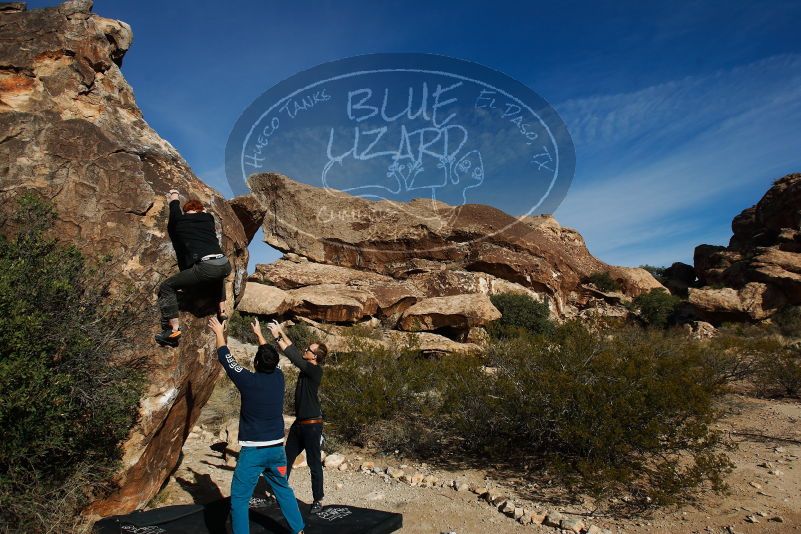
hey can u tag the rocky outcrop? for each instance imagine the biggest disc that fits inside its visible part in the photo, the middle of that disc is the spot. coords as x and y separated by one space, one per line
444 299
679 278
432 248
339 338
754 301
457 313
262 299
762 262
250 213
71 132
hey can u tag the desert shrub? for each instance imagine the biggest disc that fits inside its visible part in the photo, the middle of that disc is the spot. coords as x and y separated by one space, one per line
64 406
628 411
520 314
239 327
779 373
656 307
363 330
735 352
788 321
603 281
756 356
302 335
389 397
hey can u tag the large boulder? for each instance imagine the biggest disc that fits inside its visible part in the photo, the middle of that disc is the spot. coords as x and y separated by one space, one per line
325 292
754 301
765 249
250 213
391 296
402 239
335 303
778 210
71 132
262 299
340 338
679 277
457 313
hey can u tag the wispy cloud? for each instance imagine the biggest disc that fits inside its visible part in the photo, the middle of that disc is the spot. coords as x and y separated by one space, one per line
667 157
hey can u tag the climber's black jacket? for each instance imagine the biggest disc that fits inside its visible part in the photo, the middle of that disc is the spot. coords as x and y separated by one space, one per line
193 235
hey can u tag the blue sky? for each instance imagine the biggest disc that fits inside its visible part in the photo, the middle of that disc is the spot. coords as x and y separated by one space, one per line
682 114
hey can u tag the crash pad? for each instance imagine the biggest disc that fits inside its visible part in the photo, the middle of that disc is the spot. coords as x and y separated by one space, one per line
265 518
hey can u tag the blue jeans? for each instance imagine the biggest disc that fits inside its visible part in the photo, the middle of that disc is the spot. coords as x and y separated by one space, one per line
252 462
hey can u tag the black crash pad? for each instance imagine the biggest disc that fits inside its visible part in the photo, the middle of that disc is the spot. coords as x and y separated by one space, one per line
265 517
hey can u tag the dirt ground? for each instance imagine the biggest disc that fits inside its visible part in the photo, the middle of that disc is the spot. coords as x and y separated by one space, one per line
765 486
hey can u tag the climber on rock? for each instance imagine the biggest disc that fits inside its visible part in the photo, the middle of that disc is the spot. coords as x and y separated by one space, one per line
200 259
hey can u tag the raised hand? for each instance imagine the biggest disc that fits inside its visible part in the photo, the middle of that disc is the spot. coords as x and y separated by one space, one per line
256 327
275 328
216 326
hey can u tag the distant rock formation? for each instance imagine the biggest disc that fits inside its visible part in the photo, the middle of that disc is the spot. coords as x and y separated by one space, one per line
421 265
71 131
760 270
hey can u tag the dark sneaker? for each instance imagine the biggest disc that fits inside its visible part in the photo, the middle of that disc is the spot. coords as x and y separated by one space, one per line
316 507
168 337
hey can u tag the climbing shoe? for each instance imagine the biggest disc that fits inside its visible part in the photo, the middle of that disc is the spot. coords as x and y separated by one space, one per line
168 337
316 508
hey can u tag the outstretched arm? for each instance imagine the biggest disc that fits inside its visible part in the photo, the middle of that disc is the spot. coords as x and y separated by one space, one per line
175 207
289 348
235 372
256 327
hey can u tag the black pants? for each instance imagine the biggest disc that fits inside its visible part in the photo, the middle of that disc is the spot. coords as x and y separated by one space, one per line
306 437
203 272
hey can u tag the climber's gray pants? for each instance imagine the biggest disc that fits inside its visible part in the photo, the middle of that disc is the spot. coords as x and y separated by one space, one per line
201 273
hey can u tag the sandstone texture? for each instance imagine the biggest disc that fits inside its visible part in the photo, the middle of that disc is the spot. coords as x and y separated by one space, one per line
70 131
760 270
349 258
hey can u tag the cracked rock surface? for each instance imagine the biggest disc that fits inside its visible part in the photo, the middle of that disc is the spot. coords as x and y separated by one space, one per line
70 130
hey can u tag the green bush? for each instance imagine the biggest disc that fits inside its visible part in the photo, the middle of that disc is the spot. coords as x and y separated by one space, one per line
630 411
64 406
302 335
603 281
239 327
520 314
788 321
389 397
656 307
757 357
779 373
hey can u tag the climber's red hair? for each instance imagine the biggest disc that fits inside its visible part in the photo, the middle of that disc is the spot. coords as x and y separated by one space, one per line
193 205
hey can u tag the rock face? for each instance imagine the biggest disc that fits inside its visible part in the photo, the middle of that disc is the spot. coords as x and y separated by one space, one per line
71 132
426 248
762 263
457 312
250 214
261 299
753 301
338 339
